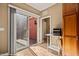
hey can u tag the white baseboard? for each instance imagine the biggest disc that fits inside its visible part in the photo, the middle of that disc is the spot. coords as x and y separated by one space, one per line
54 48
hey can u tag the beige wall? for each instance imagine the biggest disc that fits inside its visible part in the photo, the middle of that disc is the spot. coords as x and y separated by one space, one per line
56 12
4 24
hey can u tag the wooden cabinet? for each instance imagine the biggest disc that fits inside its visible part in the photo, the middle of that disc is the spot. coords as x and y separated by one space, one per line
70 29
70 46
70 25
69 8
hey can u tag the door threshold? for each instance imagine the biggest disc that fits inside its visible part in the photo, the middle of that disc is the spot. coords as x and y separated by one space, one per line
34 44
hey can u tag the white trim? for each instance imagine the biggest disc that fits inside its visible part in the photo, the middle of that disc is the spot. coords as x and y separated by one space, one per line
27 12
15 23
38 28
46 17
55 48
28 32
41 26
8 30
40 41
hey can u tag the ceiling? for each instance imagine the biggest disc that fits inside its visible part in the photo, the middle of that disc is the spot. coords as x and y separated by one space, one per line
41 6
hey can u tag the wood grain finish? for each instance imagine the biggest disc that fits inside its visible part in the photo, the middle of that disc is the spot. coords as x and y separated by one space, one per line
69 8
70 25
70 29
41 50
70 47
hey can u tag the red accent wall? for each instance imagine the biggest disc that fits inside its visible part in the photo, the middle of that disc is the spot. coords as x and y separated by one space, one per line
32 29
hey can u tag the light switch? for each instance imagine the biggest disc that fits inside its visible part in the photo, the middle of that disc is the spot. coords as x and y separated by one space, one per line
1 29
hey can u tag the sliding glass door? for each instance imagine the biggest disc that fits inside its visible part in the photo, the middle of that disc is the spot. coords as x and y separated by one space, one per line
21 32
18 31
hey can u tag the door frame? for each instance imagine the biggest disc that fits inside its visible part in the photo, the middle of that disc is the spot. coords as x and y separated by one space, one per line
28 14
41 37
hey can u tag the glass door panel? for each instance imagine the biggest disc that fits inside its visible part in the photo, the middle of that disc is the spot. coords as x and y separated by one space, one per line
21 32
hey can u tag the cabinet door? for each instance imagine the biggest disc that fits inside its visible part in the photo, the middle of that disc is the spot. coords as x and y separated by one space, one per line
70 46
70 25
69 7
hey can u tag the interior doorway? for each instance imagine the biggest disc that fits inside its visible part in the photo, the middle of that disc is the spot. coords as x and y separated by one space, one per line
32 30
45 28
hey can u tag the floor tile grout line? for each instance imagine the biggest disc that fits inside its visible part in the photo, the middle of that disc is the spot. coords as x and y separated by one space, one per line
32 52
